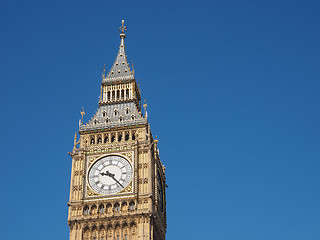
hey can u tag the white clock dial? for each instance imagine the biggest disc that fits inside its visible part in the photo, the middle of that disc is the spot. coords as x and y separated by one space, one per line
110 174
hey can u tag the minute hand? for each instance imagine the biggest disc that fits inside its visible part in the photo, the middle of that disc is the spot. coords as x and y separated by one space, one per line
112 176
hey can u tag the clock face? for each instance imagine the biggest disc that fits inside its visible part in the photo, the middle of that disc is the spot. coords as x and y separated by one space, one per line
110 174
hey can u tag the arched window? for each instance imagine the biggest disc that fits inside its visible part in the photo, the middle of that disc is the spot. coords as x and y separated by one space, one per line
109 207
86 210
127 111
124 206
132 117
106 138
86 233
116 207
104 114
122 94
94 209
102 232
92 141
126 137
119 137
113 95
113 137
95 121
133 135
101 208
107 120
127 93
133 226
116 112
99 139
132 206
120 118
94 233
109 96
118 94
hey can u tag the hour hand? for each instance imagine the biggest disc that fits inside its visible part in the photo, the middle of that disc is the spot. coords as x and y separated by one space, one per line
105 174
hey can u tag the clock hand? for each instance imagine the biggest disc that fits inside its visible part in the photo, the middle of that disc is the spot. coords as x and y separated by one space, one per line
106 174
109 174
112 176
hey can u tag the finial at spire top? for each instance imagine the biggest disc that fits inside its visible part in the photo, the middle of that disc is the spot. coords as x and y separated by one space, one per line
122 30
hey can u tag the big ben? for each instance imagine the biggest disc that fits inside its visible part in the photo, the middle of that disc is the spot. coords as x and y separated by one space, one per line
117 188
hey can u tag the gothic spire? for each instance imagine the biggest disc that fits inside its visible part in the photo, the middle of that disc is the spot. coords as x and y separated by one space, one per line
120 69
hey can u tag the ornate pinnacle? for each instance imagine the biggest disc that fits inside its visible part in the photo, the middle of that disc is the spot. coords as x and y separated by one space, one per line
104 71
122 30
145 109
132 66
75 142
82 113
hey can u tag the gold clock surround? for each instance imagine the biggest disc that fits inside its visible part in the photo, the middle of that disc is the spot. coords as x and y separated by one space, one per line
128 190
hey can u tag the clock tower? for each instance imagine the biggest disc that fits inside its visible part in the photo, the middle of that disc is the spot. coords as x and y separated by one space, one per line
117 188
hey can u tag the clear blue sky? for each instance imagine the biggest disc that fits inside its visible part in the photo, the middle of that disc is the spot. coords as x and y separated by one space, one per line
233 96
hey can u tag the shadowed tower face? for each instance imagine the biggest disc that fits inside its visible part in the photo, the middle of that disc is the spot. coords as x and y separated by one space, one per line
117 188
